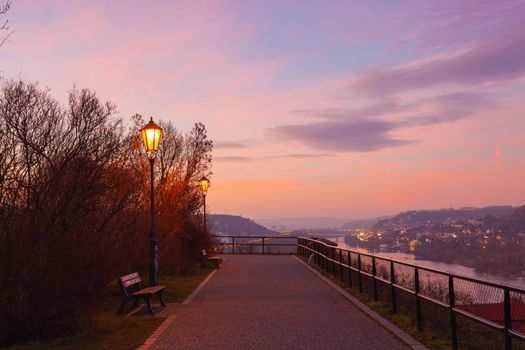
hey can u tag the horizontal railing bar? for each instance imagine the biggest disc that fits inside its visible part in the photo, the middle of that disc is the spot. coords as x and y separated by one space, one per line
517 334
258 244
445 273
367 274
258 237
381 279
505 328
484 321
432 300
405 289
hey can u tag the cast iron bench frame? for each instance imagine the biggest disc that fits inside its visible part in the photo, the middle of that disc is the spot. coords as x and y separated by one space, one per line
214 259
131 286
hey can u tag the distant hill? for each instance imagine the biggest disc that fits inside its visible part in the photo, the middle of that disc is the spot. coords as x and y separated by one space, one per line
513 221
362 223
231 225
302 223
416 217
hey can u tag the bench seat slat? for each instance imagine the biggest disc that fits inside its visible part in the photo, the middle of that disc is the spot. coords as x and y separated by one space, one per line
149 290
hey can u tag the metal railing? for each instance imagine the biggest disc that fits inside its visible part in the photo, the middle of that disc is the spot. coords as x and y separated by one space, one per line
256 244
473 312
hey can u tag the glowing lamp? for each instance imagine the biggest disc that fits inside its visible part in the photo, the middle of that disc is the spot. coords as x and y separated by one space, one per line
151 134
204 183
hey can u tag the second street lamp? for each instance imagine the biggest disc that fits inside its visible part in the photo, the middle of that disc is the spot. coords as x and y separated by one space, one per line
204 184
151 134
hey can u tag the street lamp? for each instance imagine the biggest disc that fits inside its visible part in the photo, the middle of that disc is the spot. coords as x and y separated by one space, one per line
204 184
151 134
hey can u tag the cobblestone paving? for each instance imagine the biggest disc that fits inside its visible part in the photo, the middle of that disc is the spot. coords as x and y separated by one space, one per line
271 302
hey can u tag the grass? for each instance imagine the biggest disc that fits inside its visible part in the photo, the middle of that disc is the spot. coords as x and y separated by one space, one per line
180 286
430 338
102 328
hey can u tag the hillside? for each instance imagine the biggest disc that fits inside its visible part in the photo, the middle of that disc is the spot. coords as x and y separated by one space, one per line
420 217
298 223
513 222
361 223
231 225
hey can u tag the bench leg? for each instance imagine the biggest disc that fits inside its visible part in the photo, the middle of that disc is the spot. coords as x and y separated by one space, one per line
161 297
148 301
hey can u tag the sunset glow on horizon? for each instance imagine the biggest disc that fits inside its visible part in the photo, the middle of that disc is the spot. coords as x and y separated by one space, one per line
343 108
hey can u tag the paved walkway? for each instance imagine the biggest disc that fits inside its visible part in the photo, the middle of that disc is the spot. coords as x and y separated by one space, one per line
271 302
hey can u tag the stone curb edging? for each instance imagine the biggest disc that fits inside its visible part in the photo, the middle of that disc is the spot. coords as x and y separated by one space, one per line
198 289
402 335
158 332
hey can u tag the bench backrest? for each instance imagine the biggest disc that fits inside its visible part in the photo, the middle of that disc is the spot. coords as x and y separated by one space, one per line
130 283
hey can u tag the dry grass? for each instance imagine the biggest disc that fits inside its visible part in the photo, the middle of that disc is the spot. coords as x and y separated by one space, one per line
102 328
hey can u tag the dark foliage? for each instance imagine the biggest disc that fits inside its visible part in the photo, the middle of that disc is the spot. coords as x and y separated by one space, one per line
74 205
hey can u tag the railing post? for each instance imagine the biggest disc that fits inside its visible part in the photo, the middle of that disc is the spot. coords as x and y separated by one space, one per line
333 261
452 305
341 271
393 287
374 281
418 301
319 258
263 245
349 270
316 256
326 265
359 277
233 245
508 319
323 256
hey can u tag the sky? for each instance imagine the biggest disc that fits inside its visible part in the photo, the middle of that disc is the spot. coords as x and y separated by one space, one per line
349 109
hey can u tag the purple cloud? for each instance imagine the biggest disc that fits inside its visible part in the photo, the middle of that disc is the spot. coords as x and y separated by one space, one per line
300 156
361 131
284 156
449 108
356 135
379 108
499 59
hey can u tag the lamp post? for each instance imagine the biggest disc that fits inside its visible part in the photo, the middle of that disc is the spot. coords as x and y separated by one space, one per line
204 184
151 134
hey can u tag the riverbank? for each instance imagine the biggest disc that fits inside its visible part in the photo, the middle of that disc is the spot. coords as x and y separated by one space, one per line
459 269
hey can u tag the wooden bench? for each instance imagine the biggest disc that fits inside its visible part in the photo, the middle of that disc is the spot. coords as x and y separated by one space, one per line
214 259
131 286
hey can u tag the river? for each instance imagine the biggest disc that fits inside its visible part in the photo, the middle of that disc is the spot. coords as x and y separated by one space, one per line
518 282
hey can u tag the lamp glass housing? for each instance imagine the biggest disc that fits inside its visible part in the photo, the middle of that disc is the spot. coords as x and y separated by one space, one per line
204 184
151 134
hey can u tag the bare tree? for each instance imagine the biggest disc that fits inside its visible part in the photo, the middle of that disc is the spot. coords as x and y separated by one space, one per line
4 24
74 203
